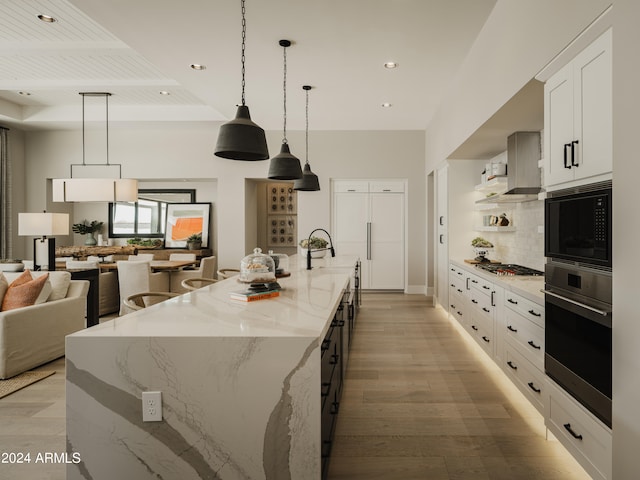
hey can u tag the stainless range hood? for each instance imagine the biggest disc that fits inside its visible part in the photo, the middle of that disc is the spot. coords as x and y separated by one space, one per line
523 173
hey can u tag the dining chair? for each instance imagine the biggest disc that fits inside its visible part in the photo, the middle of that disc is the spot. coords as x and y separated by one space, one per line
136 277
141 300
141 257
207 269
108 297
81 264
227 272
194 283
182 256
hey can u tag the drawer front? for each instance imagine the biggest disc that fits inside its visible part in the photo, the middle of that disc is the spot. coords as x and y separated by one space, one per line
481 285
527 337
483 336
481 303
524 307
584 436
526 377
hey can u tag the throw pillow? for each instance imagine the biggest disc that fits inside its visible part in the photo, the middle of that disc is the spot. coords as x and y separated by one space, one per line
44 293
60 282
23 291
4 285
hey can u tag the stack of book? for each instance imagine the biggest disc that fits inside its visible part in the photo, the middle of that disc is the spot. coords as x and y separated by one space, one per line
253 295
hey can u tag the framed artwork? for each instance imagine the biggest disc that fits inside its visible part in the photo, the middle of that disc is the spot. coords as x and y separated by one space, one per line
184 220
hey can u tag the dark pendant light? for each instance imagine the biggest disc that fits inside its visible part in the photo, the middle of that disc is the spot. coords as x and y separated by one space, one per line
285 166
241 139
309 181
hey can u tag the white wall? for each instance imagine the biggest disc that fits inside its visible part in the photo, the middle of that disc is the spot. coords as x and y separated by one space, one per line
187 152
517 41
626 231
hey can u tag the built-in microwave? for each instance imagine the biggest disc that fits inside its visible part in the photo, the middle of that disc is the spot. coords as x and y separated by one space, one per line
578 225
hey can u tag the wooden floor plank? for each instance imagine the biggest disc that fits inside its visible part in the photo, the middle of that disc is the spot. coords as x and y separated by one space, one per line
420 403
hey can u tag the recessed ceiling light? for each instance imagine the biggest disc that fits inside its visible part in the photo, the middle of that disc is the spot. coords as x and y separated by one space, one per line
197 66
164 92
47 18
26 94
391 65
386 104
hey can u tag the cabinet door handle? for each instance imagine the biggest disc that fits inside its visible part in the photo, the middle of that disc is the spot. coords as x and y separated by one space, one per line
368 240
566 145
485 339
460 313
537 347
510 300
567 426
442 239
441 221
533 387
514 367
467 284
485 309
473 300
514 330
459 291
474 327
486 288
573 154
493 303
453 306
474 281
534 313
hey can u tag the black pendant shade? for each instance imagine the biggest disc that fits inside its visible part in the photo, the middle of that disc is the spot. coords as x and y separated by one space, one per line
241 139
309 181
285 166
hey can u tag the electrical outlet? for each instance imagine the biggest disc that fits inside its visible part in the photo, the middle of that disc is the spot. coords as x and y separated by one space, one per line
151 406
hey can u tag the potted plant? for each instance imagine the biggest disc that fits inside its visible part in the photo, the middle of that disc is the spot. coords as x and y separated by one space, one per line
88 229
317 246
194 242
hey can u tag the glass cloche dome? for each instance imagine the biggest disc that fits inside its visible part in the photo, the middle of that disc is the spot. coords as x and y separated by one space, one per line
257 268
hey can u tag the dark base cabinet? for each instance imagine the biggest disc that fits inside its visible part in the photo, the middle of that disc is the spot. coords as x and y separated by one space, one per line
335 354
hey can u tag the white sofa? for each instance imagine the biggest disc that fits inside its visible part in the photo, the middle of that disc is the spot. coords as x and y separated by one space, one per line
33 335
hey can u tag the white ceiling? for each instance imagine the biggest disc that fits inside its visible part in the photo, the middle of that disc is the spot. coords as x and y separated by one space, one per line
135 48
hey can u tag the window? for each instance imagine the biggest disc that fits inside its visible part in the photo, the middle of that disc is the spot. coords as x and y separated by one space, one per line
147 217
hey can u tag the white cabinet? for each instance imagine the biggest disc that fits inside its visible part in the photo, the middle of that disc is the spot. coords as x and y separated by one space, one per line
523 332
369 221
578 117
442 250
586 438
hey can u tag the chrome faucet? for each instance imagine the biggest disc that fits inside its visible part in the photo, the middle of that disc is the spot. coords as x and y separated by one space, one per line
333 252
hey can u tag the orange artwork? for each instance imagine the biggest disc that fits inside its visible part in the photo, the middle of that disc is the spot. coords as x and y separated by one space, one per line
185 227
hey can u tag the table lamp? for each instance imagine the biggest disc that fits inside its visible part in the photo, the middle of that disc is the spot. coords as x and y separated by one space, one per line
42 225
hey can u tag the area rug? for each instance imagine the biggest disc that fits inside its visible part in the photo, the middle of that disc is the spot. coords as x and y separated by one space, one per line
14 384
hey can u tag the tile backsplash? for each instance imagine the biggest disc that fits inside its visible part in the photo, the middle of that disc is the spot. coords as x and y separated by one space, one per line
524 246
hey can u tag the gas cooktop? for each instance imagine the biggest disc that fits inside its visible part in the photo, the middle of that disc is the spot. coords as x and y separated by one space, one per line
509 269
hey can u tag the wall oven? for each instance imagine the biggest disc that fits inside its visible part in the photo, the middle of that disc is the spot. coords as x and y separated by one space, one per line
578 225
578 318
578 295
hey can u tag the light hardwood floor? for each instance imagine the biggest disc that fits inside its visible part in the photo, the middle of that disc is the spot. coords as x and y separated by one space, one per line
418 403
421 402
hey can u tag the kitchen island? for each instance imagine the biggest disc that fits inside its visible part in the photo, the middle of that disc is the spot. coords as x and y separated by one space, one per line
240 383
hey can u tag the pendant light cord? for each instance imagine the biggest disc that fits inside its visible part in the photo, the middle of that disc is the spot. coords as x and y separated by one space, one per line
284 88
244 37
306 138
106 100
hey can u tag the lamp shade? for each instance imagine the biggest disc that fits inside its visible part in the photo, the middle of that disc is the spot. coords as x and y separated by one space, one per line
309 181
241 139
285 166
43 224
95 190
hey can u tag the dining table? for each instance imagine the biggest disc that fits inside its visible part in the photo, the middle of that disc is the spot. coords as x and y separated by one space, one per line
156 265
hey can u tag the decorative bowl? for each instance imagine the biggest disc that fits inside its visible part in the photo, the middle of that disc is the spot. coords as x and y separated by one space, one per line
314 253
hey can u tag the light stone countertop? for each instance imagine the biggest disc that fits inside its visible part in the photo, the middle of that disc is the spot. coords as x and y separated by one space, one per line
530 287
304 308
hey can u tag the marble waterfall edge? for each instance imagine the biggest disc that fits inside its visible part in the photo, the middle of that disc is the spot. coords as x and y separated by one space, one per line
233 407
